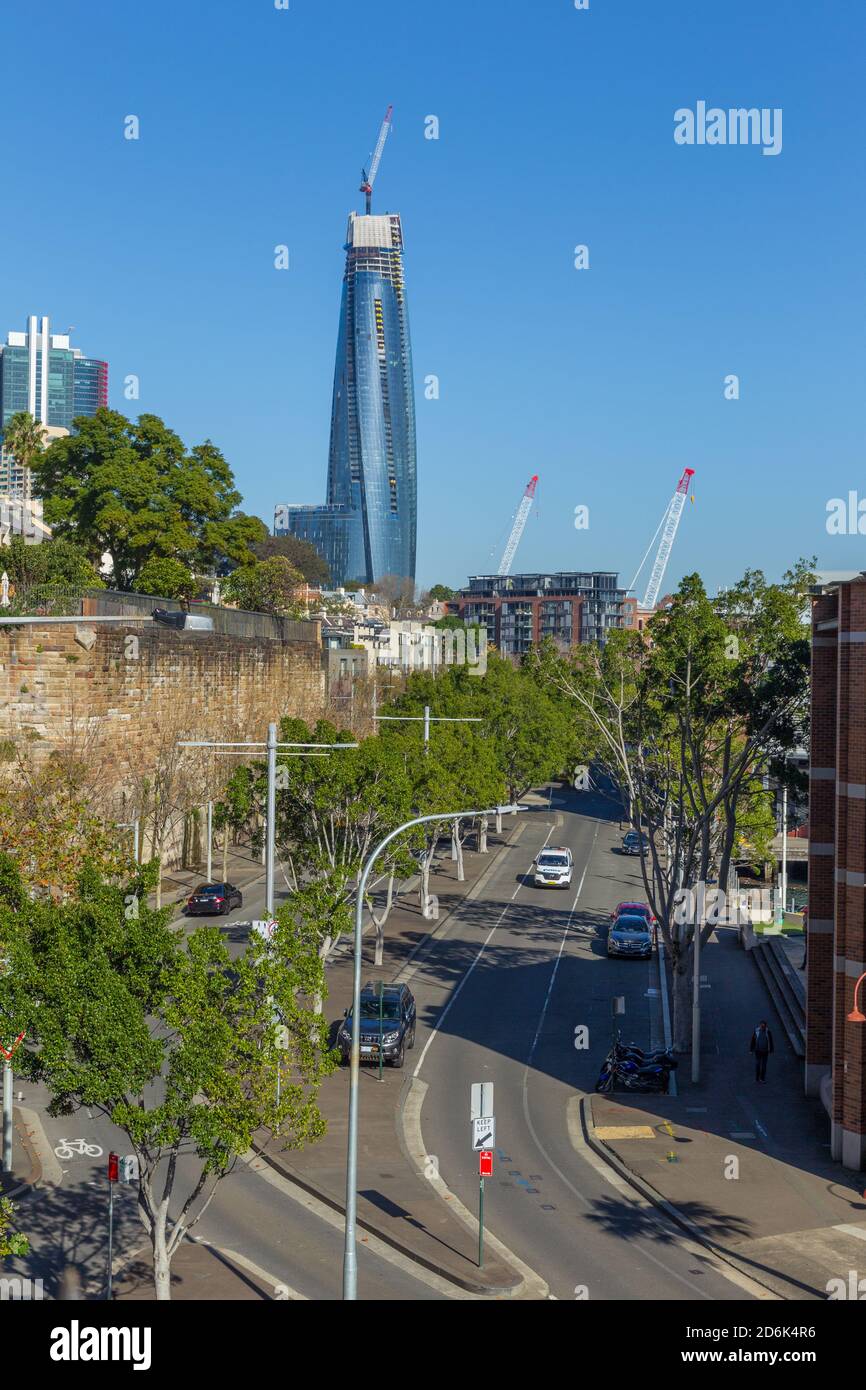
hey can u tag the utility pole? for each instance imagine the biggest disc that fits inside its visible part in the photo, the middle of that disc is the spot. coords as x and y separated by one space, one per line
209 841
271 744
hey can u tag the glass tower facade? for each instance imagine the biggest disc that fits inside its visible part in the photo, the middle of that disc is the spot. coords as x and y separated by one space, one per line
368 526
42 374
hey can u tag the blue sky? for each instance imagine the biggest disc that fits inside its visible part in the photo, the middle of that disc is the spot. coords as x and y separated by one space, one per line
556 128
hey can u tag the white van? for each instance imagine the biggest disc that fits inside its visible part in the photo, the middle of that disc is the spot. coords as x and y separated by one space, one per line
554 867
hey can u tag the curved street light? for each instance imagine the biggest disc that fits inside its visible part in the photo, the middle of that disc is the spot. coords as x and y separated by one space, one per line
350 1258
855 1015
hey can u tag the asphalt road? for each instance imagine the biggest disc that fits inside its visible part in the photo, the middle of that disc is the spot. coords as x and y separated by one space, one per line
537 969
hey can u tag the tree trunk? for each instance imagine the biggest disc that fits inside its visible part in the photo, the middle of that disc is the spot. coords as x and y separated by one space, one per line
226 854
458 845
161 1264
682 1001
379 922
482 835
499 822
425 884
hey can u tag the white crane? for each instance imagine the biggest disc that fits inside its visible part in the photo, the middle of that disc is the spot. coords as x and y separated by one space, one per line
367 185
668 527
517 529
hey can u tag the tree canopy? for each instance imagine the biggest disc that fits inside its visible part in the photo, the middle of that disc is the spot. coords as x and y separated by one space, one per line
134 489
303 557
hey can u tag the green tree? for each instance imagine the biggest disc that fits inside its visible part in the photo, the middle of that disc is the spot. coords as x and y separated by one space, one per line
303 556
268 586
684 723
166 578
56 562
133 489
173 1040
441 593
24 438
12 1242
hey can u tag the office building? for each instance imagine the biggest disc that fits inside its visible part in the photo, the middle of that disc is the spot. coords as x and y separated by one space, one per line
41 373
520 610
368 525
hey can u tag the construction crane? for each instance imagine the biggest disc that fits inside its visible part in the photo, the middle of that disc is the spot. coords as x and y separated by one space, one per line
367 185
668 527
517 529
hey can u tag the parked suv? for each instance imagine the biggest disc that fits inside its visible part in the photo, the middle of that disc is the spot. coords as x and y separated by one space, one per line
214 897
630 935
633 843
553 867
393 1035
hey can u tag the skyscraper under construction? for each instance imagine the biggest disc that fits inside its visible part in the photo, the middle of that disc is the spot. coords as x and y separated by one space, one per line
368 525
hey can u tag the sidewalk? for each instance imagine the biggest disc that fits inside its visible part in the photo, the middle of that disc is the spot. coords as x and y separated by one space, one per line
395 1201
746 1165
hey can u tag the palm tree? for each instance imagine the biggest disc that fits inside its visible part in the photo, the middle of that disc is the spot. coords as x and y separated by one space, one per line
24 438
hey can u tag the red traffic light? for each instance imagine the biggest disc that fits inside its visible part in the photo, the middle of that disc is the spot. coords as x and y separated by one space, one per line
113 1161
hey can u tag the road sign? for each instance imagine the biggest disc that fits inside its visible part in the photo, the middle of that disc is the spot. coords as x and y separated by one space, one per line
485 1163
480 1099
483 1132
127 1168
264 927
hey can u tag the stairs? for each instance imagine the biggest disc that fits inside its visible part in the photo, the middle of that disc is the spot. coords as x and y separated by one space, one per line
785 988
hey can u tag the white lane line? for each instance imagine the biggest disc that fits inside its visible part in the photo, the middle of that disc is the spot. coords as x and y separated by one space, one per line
648 1254
559 953
453 1000
368 1241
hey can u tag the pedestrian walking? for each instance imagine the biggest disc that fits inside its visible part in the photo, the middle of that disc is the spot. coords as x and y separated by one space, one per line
805 934
762 1046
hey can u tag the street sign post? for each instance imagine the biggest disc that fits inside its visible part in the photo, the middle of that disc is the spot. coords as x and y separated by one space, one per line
113 1176
483 1133
480 1099
483 1139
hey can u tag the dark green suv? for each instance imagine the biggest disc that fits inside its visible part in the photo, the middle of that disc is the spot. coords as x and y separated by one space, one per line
393 1034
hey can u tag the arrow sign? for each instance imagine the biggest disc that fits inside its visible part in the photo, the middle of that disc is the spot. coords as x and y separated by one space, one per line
483 1133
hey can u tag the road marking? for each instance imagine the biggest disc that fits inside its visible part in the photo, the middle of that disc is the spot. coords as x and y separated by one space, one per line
338 1221
283 1292
483 947
653 1217
858 1231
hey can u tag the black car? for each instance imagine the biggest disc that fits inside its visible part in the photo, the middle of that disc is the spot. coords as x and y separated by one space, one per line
633 843
214 898
394 1035
630 935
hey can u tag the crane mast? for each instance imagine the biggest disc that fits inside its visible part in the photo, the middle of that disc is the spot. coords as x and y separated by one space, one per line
367 185
517 529
669 531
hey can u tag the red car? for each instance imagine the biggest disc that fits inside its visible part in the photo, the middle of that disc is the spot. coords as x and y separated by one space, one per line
634 910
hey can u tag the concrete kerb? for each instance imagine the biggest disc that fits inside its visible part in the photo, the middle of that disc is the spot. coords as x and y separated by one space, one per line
471 1285
412 1140
648 1192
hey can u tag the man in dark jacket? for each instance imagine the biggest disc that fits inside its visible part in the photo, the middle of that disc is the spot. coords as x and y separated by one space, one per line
762 1046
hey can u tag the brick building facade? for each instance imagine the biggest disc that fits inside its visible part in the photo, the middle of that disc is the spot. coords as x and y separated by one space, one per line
835 1048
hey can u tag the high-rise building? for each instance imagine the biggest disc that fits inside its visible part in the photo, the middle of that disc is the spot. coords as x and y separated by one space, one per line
368 526
41 372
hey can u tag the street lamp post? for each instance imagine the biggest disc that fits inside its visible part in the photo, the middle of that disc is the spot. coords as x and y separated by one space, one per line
350 1256
270 745
855 1015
